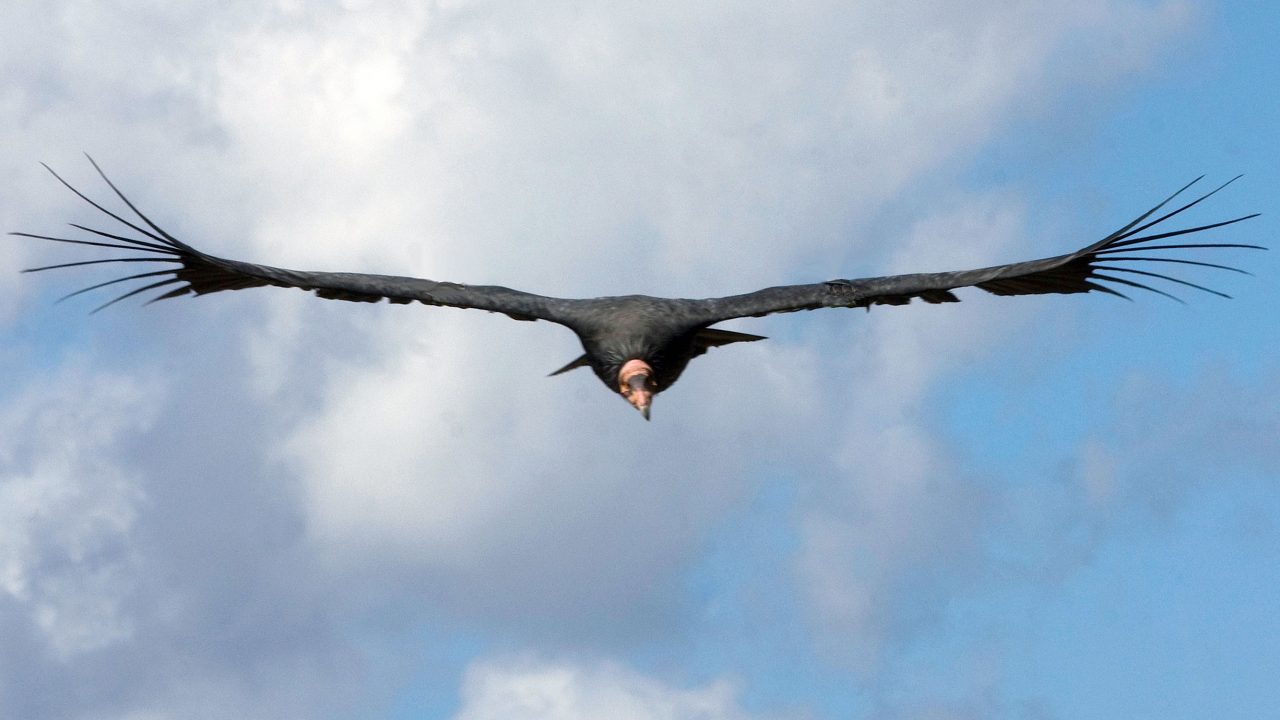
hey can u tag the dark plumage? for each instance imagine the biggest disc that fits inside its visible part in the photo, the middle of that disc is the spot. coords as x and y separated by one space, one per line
638 345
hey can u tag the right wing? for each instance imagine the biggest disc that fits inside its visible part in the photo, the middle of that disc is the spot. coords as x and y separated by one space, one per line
192 272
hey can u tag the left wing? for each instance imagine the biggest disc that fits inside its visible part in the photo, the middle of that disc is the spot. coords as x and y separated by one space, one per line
1098 267
192 272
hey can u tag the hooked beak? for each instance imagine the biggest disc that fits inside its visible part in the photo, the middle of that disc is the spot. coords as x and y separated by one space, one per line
636 385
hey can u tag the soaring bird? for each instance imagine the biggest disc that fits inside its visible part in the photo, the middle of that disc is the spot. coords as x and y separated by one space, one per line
636 344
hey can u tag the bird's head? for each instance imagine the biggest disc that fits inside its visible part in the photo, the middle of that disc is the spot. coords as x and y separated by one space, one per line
636 384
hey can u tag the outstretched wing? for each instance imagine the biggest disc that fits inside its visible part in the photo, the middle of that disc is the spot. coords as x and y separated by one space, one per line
188 271
1103 266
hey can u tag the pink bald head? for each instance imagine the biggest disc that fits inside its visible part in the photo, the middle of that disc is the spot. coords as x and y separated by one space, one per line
635 382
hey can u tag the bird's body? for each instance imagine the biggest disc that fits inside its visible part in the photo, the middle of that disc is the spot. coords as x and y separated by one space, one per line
636 344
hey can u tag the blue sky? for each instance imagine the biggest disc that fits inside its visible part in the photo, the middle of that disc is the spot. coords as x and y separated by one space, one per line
261 505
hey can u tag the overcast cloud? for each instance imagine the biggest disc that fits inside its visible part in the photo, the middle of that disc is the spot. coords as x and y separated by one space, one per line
224 507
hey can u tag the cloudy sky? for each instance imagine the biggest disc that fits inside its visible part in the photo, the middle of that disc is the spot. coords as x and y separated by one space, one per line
261 505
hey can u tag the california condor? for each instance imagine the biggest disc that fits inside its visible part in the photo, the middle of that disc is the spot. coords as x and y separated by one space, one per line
639 345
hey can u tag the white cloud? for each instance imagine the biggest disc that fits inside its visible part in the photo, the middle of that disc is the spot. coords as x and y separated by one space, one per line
453 464
343 74
562 148
526 689
896 527
10 287
717 160
68 504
